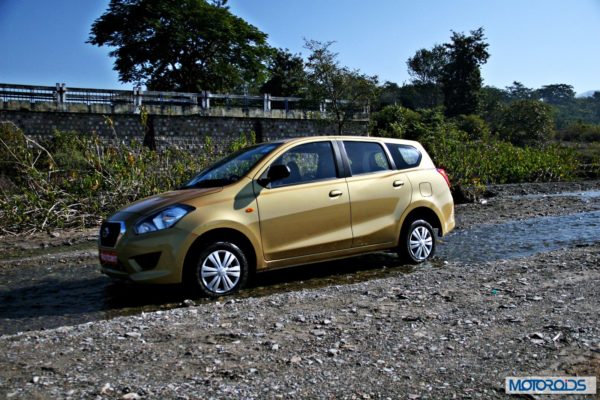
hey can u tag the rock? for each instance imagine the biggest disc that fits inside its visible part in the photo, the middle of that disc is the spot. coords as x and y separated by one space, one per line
537 338
318 332
106 389
35 379
275 347
131 396
134 335
188 303
295 359
332 352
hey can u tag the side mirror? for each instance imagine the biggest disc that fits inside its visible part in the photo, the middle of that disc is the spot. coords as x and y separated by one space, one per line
276 172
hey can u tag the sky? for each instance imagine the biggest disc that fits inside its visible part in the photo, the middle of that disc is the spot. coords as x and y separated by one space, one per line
535 42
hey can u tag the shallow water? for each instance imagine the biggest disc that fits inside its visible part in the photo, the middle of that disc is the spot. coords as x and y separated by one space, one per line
586 195
67 291
516 239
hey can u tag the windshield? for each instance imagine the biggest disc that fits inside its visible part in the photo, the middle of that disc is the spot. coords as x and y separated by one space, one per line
231 168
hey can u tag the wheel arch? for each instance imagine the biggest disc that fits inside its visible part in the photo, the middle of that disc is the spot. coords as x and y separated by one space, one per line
216 235
424 213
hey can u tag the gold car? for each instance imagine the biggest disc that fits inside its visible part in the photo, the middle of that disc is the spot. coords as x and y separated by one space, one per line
281 204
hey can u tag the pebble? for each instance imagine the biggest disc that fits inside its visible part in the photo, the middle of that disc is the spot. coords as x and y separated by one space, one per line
131 396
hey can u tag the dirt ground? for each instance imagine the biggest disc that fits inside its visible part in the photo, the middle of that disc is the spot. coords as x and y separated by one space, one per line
445 330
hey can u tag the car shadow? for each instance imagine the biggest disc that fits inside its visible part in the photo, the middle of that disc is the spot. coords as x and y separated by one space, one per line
50 302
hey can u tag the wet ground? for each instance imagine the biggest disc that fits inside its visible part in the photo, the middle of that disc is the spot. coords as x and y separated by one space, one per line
55 281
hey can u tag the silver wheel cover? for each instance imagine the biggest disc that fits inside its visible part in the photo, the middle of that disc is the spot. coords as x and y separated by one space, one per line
421 243
220 271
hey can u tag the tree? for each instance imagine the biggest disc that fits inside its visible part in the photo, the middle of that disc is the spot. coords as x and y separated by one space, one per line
419 96
414 96
595 101
461 76
527 123
556 94
286 75
185 45
346 91
395 121
491 103
389 94
518 91
427 66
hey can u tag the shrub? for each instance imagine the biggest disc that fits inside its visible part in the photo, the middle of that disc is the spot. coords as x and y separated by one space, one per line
480 163
395 121
75 180
581 132
474 126
526 123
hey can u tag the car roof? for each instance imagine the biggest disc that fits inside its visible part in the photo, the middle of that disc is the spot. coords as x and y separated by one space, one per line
347 137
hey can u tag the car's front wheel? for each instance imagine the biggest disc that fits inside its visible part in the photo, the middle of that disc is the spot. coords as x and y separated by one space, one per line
221 269
417 242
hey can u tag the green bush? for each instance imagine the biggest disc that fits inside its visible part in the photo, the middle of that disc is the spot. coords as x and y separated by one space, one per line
471 156
13 147
486 162
397 122
474 126
581 132
75 180
526 123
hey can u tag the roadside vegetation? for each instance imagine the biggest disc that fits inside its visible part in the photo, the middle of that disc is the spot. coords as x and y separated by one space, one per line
75 180
472 155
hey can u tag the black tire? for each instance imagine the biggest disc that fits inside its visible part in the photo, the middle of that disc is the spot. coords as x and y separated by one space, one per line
220 269
417 242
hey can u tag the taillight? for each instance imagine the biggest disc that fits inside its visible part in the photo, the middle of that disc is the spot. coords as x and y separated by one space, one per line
445 175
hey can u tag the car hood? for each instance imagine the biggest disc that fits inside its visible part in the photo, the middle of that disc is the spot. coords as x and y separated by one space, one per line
154 203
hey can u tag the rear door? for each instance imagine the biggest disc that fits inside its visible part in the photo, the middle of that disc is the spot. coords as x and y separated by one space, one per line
307 213
378 193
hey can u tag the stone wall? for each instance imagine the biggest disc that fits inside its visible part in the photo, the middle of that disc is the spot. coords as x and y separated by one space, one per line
183 131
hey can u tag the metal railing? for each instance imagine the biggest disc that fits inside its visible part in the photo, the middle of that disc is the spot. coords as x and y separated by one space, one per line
62 96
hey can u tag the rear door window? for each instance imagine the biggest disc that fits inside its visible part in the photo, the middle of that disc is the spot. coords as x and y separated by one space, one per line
404 156
366 157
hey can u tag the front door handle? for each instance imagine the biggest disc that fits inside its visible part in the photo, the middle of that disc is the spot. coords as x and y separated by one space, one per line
398 183
335 193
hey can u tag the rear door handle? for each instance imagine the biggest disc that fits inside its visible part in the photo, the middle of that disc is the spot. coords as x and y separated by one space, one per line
335 193
398 183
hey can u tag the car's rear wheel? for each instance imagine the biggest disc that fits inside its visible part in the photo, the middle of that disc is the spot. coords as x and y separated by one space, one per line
221 269
417 242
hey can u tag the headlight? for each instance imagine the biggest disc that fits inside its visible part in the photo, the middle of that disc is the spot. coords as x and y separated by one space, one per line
163 219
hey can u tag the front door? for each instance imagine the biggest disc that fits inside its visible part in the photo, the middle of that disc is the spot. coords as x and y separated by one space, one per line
307 213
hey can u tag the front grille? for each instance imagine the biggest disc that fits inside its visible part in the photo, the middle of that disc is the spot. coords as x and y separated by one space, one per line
109 233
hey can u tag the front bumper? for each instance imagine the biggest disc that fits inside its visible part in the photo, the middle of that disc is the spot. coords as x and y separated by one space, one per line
155 257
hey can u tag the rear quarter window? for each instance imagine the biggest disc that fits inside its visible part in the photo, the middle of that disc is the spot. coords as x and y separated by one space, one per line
404 156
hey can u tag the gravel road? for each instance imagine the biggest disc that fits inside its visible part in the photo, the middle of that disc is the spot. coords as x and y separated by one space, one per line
445 330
